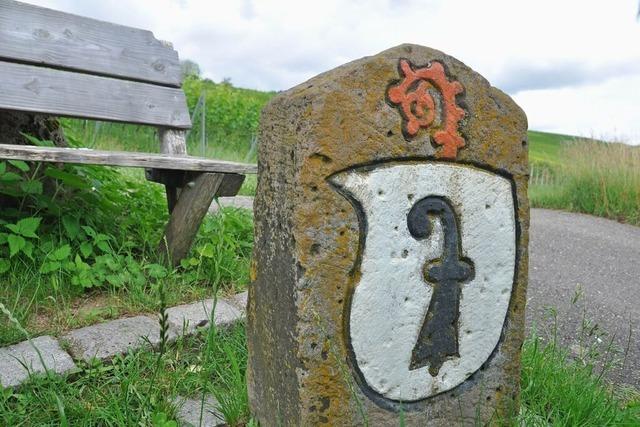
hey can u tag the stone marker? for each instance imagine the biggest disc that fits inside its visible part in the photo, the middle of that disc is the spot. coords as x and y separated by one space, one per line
391 247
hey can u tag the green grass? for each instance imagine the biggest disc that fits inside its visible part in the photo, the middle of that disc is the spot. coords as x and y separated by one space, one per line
140 387
567 388
545 148
592 177
51 304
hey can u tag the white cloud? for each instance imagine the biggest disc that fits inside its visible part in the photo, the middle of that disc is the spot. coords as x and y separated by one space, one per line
568 51
608 110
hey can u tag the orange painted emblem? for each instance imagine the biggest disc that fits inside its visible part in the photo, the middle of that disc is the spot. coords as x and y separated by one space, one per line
414 96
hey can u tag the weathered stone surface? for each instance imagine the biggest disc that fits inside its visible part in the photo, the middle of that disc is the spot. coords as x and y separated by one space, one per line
367 174
106 340
12 371
191 412
186 319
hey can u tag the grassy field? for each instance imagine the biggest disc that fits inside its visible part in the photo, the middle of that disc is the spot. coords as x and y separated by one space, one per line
545 148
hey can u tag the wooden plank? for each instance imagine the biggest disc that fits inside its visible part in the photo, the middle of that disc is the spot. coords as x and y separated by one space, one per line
38 35
193 204
231 185
121 158
63 93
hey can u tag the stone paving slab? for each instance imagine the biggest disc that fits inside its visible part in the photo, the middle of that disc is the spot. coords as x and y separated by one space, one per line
244 202
106 340
240 301
188 412
186 319
13 373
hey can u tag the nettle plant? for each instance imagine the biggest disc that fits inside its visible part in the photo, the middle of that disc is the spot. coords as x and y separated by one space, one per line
83 225
96 226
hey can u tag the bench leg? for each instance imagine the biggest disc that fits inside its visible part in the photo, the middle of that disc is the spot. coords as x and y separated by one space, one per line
192 205
172 197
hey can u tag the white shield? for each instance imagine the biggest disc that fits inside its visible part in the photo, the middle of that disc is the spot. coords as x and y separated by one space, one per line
390 302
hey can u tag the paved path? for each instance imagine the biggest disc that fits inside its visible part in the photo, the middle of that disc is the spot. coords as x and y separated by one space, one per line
601 259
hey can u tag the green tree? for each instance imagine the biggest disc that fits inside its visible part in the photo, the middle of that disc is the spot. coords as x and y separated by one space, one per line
189 68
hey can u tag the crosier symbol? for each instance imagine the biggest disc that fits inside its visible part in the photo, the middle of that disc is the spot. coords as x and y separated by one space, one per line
418 108
438 337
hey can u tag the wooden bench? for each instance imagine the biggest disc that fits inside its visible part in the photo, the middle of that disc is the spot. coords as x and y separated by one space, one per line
60 64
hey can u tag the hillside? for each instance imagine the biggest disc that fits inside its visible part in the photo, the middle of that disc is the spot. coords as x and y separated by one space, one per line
232 117
545 147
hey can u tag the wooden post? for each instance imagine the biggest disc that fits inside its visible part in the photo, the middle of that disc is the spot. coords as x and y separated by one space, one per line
203 125
172 141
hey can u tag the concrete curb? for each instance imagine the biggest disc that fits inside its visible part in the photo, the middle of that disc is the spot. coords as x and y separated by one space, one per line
104 341
244 202
188 412
17 361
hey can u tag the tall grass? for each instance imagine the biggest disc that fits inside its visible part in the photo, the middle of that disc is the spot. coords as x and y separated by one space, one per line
558 389
139 388
105 224
593 177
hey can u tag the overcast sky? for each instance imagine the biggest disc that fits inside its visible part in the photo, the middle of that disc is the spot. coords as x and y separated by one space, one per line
572 65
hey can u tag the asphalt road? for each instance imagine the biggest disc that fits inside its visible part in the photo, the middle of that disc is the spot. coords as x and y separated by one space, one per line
598 261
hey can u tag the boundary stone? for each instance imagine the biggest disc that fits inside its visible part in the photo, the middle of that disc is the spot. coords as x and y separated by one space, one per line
325 255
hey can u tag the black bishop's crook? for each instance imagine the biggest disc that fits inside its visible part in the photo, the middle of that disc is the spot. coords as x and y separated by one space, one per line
438 338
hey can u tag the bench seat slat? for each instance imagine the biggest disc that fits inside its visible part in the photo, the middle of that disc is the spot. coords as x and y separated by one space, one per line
121 158
43 36
63 93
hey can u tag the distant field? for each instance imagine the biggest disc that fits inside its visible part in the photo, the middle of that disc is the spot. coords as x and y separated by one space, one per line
582 175
545 147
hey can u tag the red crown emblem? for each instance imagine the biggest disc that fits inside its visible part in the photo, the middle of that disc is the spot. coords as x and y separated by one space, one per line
418 108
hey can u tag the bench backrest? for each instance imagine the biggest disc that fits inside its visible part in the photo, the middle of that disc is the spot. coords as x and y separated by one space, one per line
66 65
